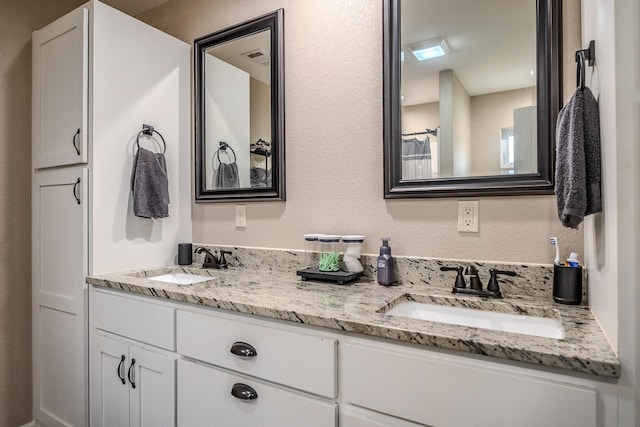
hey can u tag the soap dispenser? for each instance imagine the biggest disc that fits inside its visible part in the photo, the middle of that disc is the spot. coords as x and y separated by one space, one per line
385 269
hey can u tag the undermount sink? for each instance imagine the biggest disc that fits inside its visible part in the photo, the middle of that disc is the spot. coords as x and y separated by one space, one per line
181 278
546 323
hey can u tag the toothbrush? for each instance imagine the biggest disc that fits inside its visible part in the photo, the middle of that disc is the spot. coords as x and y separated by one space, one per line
554 242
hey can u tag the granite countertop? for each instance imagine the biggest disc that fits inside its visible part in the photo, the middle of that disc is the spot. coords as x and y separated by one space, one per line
353 308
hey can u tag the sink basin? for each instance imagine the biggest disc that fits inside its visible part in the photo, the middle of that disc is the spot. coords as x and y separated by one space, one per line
181 278
549 327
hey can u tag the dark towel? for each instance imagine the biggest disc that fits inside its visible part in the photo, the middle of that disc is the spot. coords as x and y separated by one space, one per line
150 185
226 176
260 178
578 189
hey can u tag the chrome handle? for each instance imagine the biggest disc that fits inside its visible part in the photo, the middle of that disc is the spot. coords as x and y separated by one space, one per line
75 138
244 350
243 392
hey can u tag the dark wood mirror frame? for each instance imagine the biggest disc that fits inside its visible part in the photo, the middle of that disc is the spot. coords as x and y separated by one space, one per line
549 90
275 22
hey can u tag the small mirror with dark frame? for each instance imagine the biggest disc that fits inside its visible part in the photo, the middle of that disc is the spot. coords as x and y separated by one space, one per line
239 112
479 120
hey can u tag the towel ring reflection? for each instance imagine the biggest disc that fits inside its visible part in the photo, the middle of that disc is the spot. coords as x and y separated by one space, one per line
223 148
148 130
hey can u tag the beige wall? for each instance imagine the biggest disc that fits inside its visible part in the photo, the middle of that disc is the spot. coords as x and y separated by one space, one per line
333 83
260 110
18 18
417 118
489 114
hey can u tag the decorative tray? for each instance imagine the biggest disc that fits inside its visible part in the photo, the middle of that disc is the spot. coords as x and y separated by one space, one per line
339 277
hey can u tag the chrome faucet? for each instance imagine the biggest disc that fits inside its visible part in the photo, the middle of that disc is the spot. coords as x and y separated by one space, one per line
211 260
475 284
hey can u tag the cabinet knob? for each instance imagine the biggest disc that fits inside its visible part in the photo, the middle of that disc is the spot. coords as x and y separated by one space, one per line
243 392
120 371
244 350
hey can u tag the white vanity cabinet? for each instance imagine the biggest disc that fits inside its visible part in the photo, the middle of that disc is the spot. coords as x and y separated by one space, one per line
133 366
132 386
442 389
97 78
209 396
242 371
60 214
60 91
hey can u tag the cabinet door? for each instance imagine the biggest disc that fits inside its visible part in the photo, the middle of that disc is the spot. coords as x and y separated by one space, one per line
59 268
205 399
109 386
60 91
152 385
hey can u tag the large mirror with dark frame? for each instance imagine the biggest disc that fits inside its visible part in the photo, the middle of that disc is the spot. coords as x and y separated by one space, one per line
239 95
471 94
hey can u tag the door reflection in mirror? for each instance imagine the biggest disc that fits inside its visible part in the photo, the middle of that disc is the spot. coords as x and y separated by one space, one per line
238 113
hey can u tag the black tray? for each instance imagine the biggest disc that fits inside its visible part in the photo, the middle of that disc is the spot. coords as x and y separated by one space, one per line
339 277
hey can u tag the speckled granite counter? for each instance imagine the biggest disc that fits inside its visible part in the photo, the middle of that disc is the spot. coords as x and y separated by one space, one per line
353 308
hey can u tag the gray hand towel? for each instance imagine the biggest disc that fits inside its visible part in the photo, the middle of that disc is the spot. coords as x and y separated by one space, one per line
226 176
150 185
578 174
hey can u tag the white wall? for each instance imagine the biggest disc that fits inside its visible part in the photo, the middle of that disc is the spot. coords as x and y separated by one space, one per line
612 239
333 84
226 102
489 114
155 91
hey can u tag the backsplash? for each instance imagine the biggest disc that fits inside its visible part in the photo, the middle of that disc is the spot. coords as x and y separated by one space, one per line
531 280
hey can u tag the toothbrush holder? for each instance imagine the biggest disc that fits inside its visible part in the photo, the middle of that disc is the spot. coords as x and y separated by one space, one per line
567 284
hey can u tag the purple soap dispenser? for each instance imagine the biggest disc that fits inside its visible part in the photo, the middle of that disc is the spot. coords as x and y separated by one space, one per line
385 269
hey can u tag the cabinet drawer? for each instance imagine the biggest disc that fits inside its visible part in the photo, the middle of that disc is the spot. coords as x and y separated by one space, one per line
133 318
205 399
443 390
306 362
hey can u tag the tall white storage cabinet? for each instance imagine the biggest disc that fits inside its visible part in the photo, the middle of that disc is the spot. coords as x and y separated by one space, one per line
98 76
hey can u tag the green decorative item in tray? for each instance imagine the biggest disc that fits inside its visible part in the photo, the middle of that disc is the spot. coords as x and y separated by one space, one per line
329 261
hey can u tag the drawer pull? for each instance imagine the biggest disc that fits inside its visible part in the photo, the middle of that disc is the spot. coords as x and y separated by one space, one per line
243 392
244 350
120 371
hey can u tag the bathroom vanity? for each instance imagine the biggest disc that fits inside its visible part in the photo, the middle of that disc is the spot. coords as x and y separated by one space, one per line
262 347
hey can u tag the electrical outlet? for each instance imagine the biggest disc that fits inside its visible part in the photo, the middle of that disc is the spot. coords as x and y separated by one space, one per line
468 216
241 216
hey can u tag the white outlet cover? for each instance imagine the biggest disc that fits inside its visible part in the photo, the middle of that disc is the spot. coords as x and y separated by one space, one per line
468 216
241 216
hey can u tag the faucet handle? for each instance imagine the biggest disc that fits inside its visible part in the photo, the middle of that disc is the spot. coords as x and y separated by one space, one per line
493 285
460 283
223 261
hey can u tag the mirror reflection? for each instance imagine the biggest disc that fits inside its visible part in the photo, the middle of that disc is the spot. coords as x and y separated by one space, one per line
238 107
471 94
468 90
239 112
